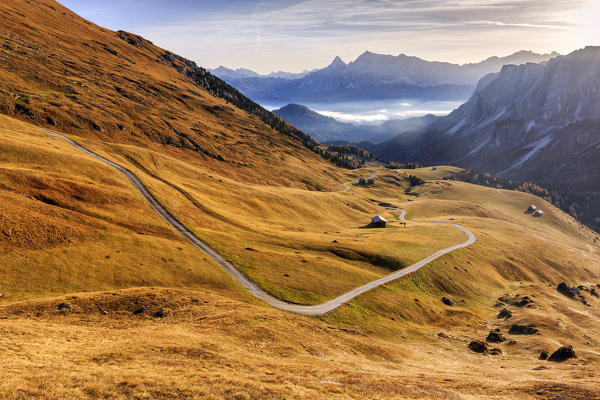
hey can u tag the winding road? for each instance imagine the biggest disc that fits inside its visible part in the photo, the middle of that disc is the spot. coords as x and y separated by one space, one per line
244 281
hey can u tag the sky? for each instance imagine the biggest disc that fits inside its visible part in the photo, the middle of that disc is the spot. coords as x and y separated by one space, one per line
294 35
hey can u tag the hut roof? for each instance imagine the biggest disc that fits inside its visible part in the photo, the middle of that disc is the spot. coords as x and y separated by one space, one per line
377 219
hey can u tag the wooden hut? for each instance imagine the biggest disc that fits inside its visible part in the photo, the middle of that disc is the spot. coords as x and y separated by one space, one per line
378 222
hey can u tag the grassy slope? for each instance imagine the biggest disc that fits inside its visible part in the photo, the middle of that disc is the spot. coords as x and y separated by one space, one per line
214 347
303 246
387 333
61 71
281 237
513 248
69 223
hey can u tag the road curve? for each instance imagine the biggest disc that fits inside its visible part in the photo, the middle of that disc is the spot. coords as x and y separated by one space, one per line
242 279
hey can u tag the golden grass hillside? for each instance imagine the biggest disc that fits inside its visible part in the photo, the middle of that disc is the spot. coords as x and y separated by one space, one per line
213 347
73 230
60 71
70 225
301 245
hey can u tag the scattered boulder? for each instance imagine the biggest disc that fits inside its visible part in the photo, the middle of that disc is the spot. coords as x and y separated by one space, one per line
565 290
593 292
140 310
504 313
517 329
504 299
495 336
64 307
447 301
162 313
121 127
544 355
480 347
562 354
516 300
524 302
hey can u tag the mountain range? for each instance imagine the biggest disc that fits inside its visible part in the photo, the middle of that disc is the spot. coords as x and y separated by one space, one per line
228 74
536 122
374 76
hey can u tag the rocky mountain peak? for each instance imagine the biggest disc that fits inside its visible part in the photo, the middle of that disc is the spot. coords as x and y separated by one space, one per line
337 63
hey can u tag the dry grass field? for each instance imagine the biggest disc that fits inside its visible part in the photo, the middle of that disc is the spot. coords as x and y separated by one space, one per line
214 347
68 220
65 213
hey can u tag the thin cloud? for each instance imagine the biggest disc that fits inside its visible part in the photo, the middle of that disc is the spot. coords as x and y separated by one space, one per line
295 35
537 26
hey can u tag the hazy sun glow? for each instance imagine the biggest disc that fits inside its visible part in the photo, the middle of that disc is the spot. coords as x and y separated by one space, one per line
590 24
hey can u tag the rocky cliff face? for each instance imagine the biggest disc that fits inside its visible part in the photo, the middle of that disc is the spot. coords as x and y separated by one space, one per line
527 114
536 122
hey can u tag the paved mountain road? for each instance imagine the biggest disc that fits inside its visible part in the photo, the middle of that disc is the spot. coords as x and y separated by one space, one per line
244 281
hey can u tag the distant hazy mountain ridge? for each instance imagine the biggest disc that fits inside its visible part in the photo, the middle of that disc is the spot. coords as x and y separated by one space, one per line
242 73
375 76
328 129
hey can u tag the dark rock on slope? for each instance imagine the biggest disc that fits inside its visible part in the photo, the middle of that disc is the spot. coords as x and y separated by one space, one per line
562 354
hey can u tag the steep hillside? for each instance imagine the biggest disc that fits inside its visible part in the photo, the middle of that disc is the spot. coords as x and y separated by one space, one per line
532 122
379 77
63 72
